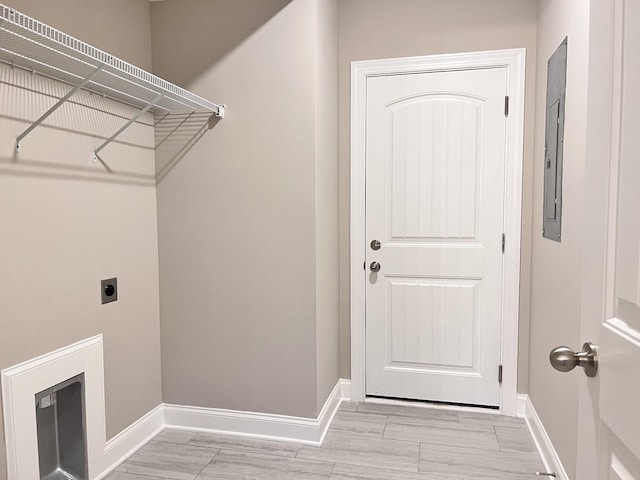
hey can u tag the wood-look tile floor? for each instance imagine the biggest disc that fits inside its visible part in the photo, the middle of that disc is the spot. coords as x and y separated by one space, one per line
365 442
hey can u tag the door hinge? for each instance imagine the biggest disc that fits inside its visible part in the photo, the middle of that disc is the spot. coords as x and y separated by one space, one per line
500 374
506 106
504 241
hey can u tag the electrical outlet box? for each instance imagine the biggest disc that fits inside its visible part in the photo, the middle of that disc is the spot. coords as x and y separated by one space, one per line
109 290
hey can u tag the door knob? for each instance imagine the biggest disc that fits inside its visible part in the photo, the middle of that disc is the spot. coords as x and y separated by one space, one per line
564 359
375 267
375 245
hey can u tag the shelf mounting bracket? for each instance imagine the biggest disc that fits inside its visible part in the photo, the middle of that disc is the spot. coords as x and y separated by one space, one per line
127 125
58 104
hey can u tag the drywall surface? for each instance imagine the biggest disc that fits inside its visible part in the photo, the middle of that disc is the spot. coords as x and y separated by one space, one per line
374 29
239 213
67 223
327 235
556 279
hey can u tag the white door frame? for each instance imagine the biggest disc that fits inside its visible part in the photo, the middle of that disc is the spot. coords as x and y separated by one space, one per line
514 61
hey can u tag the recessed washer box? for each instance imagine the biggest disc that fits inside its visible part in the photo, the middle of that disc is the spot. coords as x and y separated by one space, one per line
60 420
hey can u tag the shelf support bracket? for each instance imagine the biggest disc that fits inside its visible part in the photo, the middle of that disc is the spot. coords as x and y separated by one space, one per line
58 104
127 125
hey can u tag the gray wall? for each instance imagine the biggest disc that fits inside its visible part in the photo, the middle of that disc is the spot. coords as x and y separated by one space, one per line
66 224
372 29
248 218
556 274
327 235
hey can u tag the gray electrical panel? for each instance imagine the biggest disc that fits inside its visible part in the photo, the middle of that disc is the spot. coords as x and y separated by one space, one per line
554 141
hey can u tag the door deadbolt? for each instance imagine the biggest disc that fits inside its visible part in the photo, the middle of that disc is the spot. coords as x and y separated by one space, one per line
375 245
375 267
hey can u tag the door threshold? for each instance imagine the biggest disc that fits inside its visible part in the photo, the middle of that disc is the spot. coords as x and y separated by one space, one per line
459 407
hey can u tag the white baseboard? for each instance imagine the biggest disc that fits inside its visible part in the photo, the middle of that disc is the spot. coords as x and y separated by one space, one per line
259 425
346 389
127 442
547 452
229 422
21 382
340 393
521 405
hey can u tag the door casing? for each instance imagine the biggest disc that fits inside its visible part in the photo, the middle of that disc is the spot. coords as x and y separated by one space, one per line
514 61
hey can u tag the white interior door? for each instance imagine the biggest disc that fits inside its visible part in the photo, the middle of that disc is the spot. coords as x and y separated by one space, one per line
619 335
609 437
435 177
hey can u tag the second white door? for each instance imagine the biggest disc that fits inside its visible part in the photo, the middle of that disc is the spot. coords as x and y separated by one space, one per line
435 174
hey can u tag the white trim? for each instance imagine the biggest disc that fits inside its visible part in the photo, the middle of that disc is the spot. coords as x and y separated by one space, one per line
21 382
614 148
132 438
346 389
259 425
545 448
514 61
521 402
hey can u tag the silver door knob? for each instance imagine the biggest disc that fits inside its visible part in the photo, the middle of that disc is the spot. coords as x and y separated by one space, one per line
564 359
375 267
375 245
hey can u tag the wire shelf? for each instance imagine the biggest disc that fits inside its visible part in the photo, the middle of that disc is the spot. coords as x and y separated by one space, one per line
33 45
